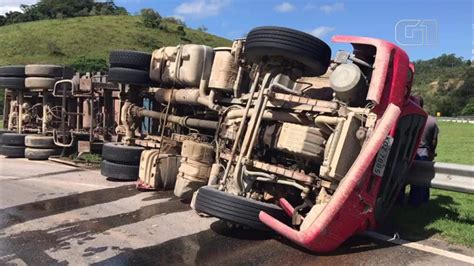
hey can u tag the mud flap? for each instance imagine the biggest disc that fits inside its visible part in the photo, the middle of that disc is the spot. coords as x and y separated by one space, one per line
344 214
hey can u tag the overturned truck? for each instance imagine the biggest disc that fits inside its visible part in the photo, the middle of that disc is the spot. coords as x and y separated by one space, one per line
49 110
31 112
271 133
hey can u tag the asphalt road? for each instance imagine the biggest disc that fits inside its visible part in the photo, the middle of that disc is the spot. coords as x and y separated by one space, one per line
57 214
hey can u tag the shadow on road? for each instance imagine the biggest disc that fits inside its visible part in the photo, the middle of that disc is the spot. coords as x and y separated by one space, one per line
31 246
223 246
43 208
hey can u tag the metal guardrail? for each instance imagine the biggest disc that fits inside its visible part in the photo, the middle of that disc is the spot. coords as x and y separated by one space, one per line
459 119
446 176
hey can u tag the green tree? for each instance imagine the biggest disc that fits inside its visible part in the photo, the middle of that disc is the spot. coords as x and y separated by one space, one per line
84 64
174 20
120 11
469 108
445 82
150 18
180 30
58 9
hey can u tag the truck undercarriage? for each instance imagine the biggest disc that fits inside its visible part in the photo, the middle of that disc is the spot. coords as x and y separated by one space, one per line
268 134
272 134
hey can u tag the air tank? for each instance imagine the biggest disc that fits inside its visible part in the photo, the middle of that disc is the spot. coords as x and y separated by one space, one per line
349 84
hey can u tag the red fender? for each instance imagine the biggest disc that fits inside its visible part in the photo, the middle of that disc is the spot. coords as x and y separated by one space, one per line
349 210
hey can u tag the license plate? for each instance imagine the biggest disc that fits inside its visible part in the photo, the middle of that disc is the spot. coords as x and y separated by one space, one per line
382 156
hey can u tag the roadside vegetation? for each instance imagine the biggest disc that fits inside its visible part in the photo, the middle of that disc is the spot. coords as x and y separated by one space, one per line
446 84
448 215
59 9
92 159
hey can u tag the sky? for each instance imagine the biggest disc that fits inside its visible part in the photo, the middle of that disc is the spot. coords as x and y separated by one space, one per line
424 29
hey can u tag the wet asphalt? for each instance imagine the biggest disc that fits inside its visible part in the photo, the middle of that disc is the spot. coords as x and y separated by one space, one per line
53 214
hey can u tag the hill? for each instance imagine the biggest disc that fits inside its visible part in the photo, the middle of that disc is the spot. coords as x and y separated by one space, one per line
88 40
446 84
63 41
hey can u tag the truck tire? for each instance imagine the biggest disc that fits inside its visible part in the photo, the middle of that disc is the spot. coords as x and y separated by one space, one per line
3 131
40 83
129 76
68 73
117 171
119 153
130 59
12 151
12 82
12 71
13 139
41 154
47 71
311 52
39 141
235 209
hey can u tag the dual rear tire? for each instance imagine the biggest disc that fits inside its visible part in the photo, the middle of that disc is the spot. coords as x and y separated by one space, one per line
40 147
130 67
12 77
33 76
45 76
120 162
12 145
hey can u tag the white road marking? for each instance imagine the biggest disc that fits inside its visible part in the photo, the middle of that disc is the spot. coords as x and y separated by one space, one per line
418 246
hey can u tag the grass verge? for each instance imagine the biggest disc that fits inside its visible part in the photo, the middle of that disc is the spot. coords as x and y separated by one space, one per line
448 215
87 158
456 143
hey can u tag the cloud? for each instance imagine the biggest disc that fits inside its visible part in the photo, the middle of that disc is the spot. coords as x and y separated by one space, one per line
201 8
284 7
320 32
5 9
328 9
13 5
